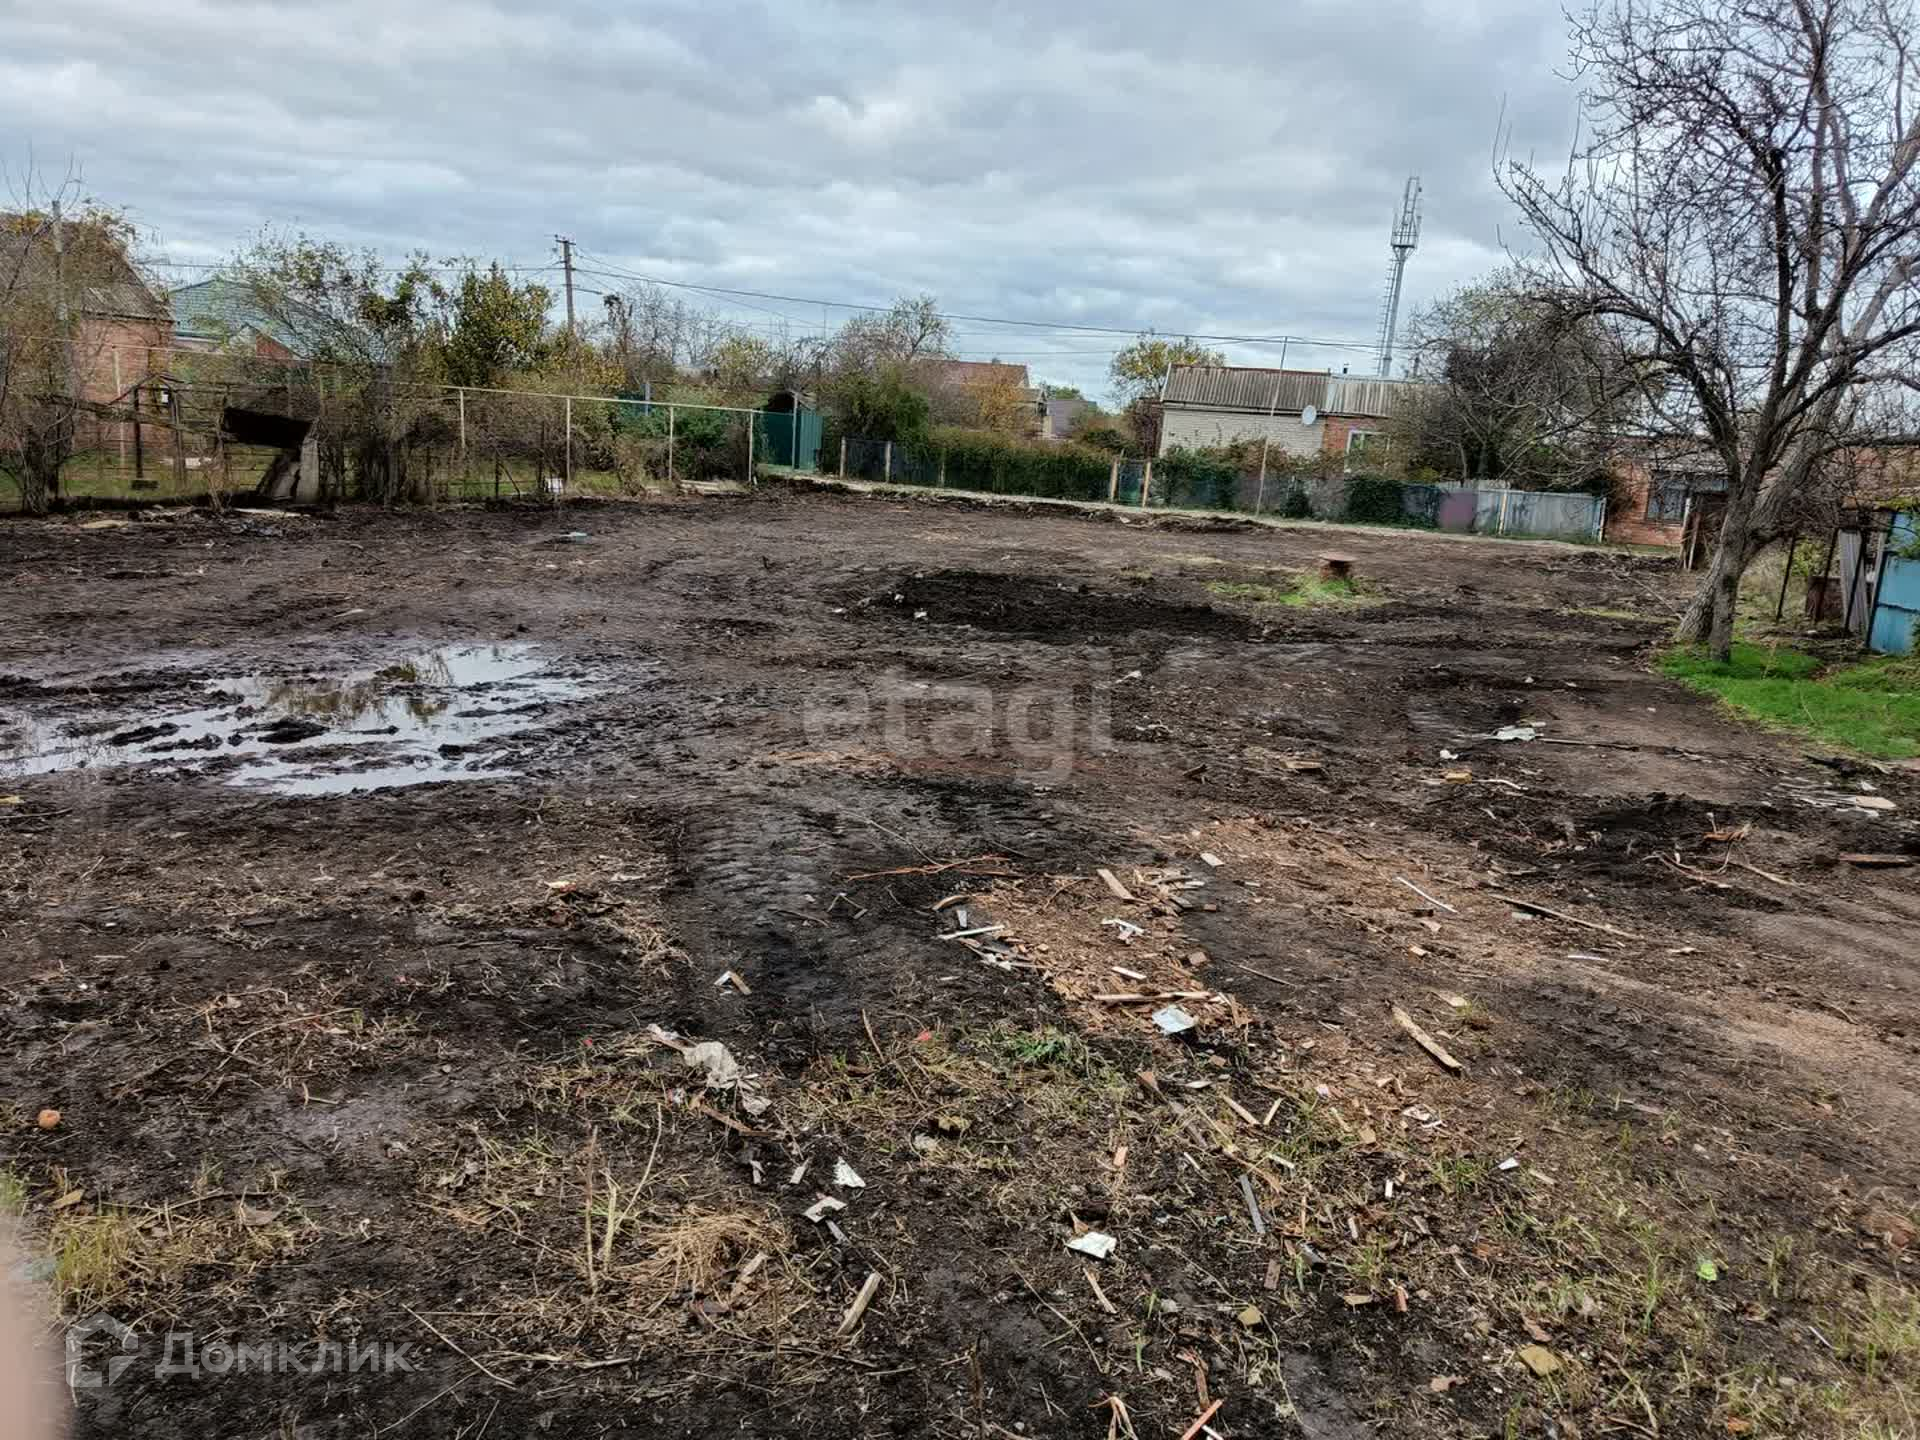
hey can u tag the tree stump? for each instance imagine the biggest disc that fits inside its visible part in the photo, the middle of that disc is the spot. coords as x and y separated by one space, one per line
1336 567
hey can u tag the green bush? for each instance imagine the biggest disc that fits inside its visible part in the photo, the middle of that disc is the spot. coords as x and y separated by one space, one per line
1375 500
1199 479
988 460
1296 506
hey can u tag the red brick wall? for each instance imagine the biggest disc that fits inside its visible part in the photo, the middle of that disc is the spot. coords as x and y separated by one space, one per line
1627 521
1336 428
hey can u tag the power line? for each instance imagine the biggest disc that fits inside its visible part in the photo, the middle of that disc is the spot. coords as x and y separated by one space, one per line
614 273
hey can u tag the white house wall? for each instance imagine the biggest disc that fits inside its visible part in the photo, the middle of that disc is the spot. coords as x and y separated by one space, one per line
1204 429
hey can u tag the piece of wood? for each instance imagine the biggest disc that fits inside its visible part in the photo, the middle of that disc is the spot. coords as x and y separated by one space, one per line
1099 1294
1519 904
1424 896
1877 862
1205 1415
1426 1042
1253 1205
1241 1110
860 1303
1119 891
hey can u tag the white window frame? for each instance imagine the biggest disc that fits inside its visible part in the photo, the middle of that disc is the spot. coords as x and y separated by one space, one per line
1352 435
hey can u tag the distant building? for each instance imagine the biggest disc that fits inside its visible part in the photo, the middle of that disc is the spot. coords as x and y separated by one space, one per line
1060 416
961 388
118 321
228 317
1298 412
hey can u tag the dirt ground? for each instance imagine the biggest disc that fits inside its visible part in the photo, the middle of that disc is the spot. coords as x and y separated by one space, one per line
340 1068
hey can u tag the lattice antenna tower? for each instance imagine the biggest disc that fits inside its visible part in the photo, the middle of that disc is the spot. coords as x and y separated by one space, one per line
1405 237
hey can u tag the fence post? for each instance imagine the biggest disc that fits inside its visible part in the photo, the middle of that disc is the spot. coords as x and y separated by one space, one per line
886 464
567 419
843 457
752 422
463 429
1505 495
794 458
119 394
670 479
1113 481
1146 484
943 467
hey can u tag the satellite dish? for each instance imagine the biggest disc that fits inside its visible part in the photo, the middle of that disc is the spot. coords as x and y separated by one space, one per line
1309 415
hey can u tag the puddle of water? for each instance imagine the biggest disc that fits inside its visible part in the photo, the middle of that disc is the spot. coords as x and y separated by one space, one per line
410 723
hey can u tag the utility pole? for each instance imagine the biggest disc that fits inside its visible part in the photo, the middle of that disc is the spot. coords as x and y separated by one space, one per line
566 263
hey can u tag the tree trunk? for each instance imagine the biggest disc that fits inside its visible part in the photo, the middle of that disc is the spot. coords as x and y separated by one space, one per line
1710 615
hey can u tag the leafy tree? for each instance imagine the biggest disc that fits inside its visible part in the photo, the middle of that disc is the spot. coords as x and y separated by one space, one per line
490 326
1138 371
881 406
376 336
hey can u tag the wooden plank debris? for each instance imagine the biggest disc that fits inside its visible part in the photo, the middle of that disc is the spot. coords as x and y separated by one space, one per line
1119 891
1441 904
860 1303
1425 1041
1519 904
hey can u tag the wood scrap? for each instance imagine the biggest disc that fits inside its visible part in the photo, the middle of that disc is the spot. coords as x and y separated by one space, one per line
1111 881
860 1303
1201 1424
1877 862
1520 904
1100 1295
1440 904
1425 1041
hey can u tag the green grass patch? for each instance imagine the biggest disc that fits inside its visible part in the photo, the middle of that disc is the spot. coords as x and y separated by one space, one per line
1305 591
1872 706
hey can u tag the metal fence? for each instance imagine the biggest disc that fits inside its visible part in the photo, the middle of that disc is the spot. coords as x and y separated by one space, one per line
164 425
1334 497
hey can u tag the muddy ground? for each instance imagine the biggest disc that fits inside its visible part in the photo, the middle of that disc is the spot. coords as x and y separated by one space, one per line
345 1062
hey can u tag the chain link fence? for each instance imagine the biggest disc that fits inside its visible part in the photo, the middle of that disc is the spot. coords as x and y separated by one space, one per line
1199 481
186 428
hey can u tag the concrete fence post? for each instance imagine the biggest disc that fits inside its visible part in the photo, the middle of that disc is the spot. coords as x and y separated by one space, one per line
886 464
752 425
843 457
1146 484
1113 481
670 479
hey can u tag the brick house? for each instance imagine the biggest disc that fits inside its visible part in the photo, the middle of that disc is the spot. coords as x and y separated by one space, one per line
1654 497
121 327
1300 413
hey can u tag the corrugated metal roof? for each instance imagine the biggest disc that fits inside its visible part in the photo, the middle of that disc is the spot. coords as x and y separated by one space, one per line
1238 387
221 310
1242 387
1349 396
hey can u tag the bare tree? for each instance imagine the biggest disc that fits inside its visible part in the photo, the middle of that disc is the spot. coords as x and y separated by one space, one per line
1744 212
1515 392
63 262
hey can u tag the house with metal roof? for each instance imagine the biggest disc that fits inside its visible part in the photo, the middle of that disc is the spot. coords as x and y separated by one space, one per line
1298 412
228 316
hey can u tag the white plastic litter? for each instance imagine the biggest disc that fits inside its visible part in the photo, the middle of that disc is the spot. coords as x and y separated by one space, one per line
1093 1243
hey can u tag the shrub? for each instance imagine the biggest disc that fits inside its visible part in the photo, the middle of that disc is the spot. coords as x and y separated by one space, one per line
1375 500
1296 506
1205 479
989 460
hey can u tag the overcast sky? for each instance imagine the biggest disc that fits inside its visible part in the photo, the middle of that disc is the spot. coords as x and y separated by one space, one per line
1228 166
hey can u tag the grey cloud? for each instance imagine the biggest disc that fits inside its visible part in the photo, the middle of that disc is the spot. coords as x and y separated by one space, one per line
1228 167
